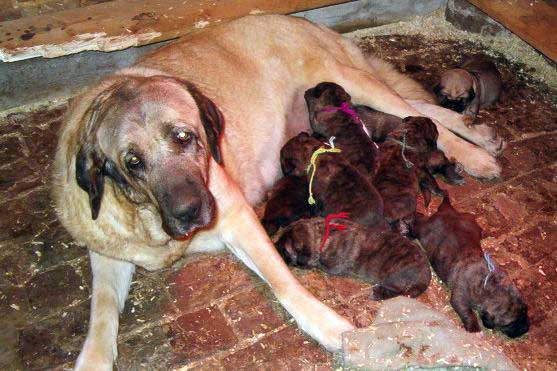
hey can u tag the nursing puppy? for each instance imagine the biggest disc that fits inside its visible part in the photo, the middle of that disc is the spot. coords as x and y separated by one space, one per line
380 125
378 255
331 115
452 242
337 186
288 202
474 85
402 170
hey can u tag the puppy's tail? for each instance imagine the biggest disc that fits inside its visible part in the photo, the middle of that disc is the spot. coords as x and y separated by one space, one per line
402 84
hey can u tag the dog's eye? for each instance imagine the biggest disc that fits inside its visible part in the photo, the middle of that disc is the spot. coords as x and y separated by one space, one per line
183 137
133 162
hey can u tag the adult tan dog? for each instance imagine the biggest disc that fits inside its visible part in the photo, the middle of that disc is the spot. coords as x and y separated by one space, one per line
169 157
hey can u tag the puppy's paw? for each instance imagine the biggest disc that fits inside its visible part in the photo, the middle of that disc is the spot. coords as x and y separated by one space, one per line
472 326
380 292
468 120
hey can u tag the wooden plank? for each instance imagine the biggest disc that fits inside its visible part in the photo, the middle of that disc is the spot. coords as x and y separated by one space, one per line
535 21
121 24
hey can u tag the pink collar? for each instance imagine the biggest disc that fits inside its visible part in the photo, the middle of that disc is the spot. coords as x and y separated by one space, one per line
345 107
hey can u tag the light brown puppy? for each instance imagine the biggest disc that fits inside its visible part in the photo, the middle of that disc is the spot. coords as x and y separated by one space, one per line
172 154
475 84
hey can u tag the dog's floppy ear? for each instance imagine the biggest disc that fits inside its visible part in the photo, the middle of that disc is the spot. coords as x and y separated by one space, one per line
211 118
90 177
90 161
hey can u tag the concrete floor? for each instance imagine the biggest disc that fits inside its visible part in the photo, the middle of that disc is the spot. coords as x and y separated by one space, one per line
210 312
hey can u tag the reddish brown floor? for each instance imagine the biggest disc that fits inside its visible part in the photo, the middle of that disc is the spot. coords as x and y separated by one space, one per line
211 313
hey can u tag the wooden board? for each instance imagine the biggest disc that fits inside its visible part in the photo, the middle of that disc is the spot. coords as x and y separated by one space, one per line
535 21
121 24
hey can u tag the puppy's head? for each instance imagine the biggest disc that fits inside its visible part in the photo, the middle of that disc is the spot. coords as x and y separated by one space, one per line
153 138
297 245
455 90
325 94
502 307
420 131
318 99
296 154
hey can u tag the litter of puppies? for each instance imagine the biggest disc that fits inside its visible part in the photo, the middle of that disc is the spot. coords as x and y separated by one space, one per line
347 205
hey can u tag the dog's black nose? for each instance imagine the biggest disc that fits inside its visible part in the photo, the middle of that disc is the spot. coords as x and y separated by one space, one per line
189 212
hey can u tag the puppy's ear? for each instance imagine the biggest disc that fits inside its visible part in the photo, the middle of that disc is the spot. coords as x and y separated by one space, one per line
90 161
211 118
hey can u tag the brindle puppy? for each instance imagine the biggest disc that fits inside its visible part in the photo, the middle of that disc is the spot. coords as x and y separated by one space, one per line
452 242
380 125
475 84
288 202
329 118
402 170
337 186
378 255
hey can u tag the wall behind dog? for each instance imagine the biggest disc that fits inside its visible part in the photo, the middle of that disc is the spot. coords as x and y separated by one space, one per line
39 80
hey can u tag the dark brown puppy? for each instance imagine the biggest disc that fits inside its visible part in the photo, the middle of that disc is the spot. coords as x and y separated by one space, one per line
402 170
288 202
332 115
475 84
452 242
378 255
337 186
380 125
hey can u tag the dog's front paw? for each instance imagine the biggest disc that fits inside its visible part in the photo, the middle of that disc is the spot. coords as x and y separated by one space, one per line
475 160
482 165
326 327
91 361
98 357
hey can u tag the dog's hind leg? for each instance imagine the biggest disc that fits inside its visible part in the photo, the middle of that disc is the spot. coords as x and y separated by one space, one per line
368 90
245 237
111 283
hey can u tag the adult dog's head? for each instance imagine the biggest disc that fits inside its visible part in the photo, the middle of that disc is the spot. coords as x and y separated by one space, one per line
153 138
